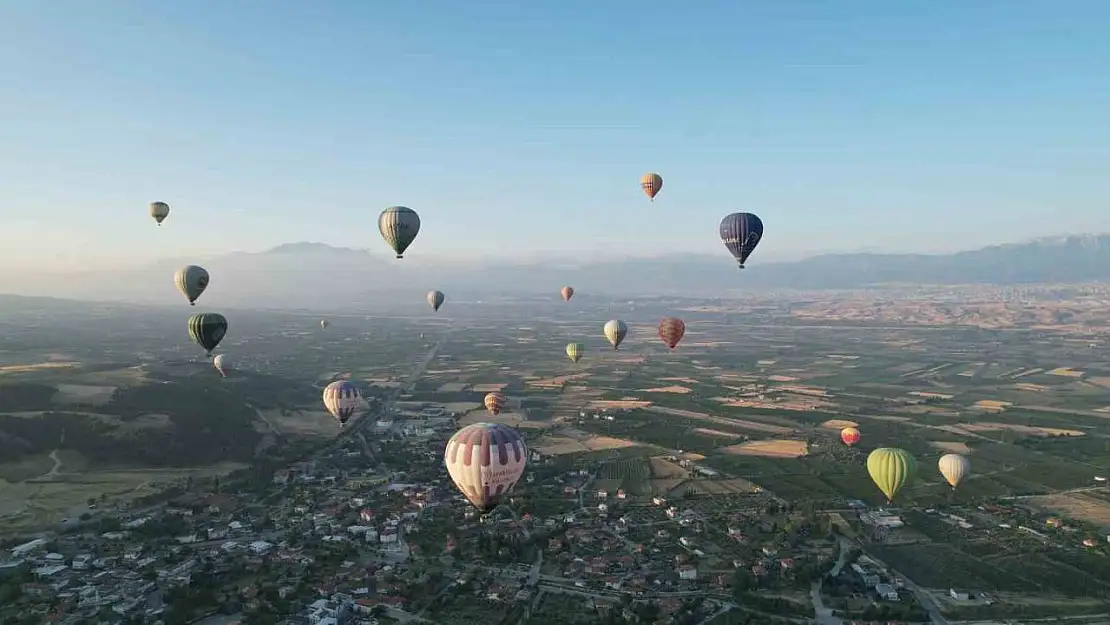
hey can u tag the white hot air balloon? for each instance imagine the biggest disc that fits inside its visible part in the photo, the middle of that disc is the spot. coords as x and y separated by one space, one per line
222 364
954 468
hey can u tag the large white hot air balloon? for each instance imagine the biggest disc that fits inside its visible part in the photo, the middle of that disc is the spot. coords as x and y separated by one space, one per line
615 330
485 460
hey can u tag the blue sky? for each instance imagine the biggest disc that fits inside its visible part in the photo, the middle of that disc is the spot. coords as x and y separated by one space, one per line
517 126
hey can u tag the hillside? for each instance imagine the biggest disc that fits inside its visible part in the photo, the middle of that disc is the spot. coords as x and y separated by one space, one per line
317 276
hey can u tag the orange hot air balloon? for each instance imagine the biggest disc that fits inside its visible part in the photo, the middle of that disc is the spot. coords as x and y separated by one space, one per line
651 183
850 436
671 330
567 293
494 402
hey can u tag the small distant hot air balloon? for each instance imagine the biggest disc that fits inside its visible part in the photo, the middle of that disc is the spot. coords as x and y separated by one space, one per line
671 330
494 402
850 436
741 233
485 460
191 280
954 467
575 351
567 293
399 226
159 211
324 323
222 364
651 183
435 300
890 468
615 330
207 330
342 399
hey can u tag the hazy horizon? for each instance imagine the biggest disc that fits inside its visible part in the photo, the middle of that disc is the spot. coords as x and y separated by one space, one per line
516 128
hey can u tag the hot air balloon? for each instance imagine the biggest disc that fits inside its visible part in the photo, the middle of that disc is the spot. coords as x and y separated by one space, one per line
741 232
575 351
485 460
399 226
324 323
435 299
342 398
207 330
890 469
954 467
222 364
615 330
651 183
850 436
159 211
567 293
191 280
671 330
494 402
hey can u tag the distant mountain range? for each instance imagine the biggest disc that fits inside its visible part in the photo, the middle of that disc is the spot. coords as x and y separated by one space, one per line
318 276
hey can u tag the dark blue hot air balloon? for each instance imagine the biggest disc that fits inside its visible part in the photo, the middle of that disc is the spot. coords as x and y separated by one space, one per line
741 232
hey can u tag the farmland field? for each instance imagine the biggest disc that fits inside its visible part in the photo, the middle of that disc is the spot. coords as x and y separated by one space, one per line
769 449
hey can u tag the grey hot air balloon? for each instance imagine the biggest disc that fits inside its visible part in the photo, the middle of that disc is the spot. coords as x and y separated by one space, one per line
191 280
399 226
159 211
435 299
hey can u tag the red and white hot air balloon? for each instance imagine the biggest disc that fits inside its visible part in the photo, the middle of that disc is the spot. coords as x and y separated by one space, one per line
494 402
485 460
671 330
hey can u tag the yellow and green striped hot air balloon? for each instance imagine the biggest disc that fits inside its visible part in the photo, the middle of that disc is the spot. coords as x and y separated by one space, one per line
891 469
575 351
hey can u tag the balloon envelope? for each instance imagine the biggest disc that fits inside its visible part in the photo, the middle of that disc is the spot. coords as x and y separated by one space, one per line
671 331
615 330
954 468
850 436
191 280
575 351
435 299
494 402
567 293
890 468
651 183
342 399
159 211
222 364
485 460
207 330
741 233
399 226
324 323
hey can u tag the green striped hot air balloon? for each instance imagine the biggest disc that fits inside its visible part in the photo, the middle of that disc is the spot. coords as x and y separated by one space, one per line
891 469
207 330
